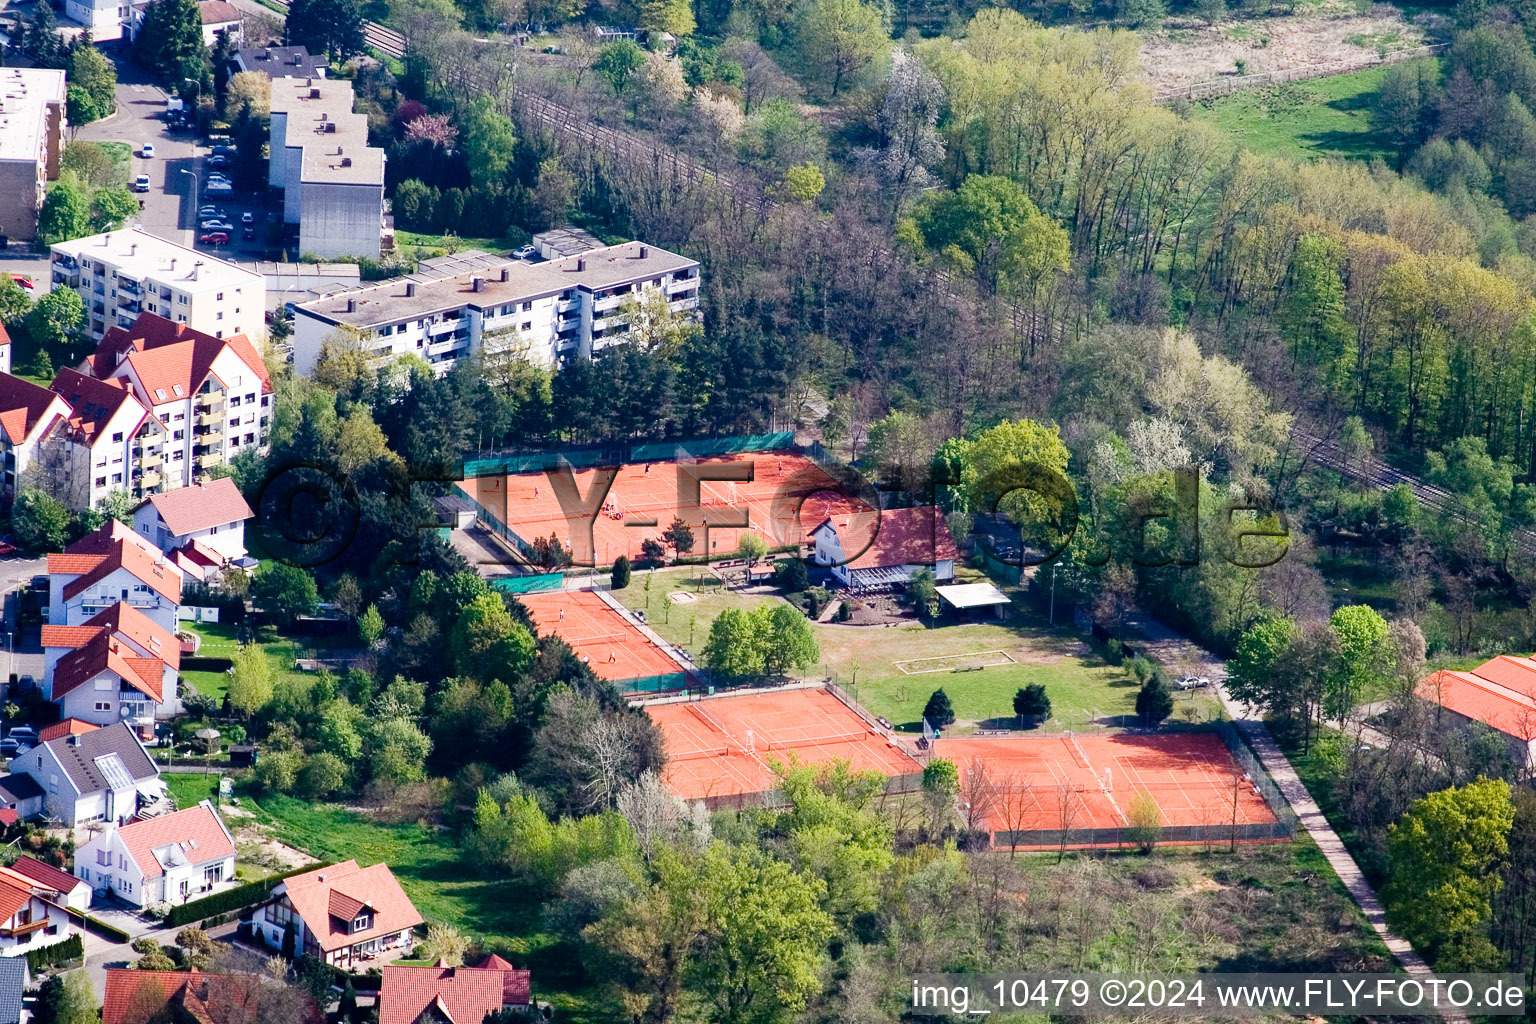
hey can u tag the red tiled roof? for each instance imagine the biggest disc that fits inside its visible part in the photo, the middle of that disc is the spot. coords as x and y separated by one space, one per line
46 875
1480 696
517 985
905 536
459 993
124 620
94 402
9 817
146 564
217 12
22 405
198 830
13 896
68 636
310 894
107 653
68 727
207 998
189 509
165 355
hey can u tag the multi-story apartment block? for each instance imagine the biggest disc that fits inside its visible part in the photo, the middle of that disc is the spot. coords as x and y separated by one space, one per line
210 396
103 447
332 180
110 565
544 312
121 274
32 122
28 415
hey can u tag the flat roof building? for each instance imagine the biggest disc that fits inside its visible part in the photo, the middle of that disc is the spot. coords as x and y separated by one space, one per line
32 121
543 312
121 274
332 180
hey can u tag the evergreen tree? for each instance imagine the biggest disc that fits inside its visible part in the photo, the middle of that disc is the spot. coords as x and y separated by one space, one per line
621 572
223 53
1031 702
333 27
1154 702
170 42
938 710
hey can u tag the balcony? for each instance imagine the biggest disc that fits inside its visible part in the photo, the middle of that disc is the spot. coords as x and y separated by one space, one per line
573 306
150 461
212 418
148 480
129 288
208 460
24 930
211 401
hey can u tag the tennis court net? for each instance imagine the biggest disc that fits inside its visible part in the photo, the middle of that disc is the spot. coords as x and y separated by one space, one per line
699 754
708 719
599 638
815 741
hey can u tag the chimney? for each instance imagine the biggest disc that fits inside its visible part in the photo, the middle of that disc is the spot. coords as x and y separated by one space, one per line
173 262
645 251
506 273
346 161
133 248
330 126
477 284
351 305
410 289
74 739
581 264
314 94
324 116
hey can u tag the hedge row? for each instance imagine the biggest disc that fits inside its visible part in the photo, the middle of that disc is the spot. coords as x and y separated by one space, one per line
44 957
239 897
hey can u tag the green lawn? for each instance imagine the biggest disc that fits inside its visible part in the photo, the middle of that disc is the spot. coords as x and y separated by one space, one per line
219 642
513 239
1081 685
1320 117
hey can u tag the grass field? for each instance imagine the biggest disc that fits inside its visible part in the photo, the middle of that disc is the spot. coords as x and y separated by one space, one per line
1327 117
1081 684
219 642
512 240
122 156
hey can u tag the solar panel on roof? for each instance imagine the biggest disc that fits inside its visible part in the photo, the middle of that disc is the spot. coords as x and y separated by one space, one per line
114 771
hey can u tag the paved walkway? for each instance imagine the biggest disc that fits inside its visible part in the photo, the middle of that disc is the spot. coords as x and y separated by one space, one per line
1171 648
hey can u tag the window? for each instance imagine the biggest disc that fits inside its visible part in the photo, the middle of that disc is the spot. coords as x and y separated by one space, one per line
527 325
104 858
101 481
527 306
234 400
177 435
117 478
219 297
176 455
181 300
117 437
103 705
219 315
362 922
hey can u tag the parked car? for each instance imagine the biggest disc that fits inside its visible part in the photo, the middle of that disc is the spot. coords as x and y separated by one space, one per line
7 548
247 217
215 238
9 747
525 253
24 280
40 582
214 224
24 734
147 151
205 212
218 162
1191 683
219 188
141 183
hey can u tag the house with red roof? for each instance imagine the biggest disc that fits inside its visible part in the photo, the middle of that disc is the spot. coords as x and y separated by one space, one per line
54 883
866 550
172 858
30 914
212 394
431 995
346 915
28 415
199 521
118 665
110 442
109 566
134 997
1499 694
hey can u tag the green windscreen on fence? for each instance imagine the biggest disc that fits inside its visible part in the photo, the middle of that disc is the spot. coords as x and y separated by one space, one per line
528 584
699 449
653 684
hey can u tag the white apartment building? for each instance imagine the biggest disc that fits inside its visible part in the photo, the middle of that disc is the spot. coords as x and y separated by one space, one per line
121 274
28 414
32 123
332 180
110 443
109 566
545 312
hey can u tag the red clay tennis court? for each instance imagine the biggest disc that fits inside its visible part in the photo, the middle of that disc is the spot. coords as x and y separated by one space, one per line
1030 789
787 497
721 747
612 647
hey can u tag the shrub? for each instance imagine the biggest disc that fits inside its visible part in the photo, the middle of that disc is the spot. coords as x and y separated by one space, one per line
39 960
239 897
621 572
791 574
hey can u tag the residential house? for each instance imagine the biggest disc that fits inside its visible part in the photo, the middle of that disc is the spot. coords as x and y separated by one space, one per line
210 393
431 995
106 775
864 551
172 858
110 565
28 414
110 442
108 680
21 795
279 62
59 885
30 915
1499 694
33 116
343 914
133 996
544 313
212 516
14 979
5 350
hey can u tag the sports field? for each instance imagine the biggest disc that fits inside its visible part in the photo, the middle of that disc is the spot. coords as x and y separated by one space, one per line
1052 783
604 513
723 746
612 647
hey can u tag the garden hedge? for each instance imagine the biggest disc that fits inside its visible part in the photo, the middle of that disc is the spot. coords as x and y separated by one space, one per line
238 898
72 948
